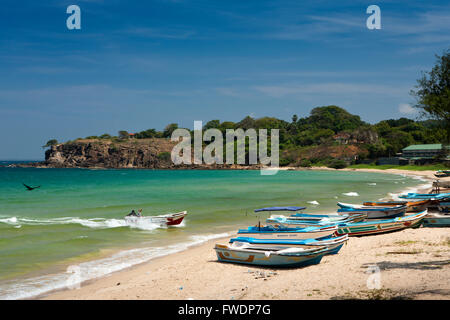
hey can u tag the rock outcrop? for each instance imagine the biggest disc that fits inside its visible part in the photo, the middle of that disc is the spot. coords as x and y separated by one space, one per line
89 153
134 153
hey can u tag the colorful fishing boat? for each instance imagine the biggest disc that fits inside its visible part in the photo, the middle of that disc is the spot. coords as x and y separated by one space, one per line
382 226
285 258
306 220
372 212
272 232
436 220
442 173
411 206
425 196
330 242
170 219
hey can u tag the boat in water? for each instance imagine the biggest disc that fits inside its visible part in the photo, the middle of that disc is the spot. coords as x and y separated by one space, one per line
285 258
381 226
170 219
372 212
411 206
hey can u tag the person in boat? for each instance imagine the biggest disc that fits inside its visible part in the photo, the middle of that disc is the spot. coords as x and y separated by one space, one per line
135 214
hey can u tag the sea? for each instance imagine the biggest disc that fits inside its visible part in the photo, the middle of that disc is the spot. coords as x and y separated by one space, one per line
72 228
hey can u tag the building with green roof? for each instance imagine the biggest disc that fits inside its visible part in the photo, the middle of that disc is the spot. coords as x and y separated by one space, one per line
422 151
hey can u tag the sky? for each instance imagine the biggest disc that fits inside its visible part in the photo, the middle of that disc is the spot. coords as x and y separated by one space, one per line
136 65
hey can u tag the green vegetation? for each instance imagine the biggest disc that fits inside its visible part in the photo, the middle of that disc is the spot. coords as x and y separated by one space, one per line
52 142
433 92
432 167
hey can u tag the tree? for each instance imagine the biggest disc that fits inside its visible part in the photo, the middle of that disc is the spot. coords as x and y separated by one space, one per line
433 92
294 118
52 142
123 134
167 133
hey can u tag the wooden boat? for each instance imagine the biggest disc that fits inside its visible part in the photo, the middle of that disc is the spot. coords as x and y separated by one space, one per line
170 219
309 221
436 220
372 212
382 226
330 242
287 258
442 173
271 232
411 206
425 196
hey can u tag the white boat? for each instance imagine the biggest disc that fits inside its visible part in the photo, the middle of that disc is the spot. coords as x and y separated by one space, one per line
309 220
170 219
271 232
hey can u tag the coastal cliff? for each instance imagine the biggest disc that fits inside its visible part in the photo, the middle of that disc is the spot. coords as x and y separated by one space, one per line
153 153
88 153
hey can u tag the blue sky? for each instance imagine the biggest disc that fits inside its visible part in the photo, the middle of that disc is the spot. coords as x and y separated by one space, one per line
136 65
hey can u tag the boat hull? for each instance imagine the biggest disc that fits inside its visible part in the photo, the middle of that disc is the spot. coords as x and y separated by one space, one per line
372 212
436 220
333 244
171 219
381 226
267 258
291 233
411 206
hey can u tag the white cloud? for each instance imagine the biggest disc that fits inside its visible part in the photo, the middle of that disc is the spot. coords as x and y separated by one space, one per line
406 108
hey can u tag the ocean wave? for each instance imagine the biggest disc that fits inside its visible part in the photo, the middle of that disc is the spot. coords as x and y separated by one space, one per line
76 274
95 223
351 194
314 202
396 196
372 184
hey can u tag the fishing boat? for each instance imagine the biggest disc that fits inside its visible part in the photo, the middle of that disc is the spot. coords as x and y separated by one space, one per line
381 226
425 196
272 232
437 220
285 258
372 212
331 242
311 220
442 173
411 206
170 219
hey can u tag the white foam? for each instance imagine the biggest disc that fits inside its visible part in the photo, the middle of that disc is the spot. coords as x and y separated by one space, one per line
351 194
314 202
96 223
26 288
372 184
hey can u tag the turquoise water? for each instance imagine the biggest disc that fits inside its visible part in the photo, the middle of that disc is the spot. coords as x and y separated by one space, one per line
76 217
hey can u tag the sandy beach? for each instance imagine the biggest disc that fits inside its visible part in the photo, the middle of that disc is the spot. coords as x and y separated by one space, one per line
412 264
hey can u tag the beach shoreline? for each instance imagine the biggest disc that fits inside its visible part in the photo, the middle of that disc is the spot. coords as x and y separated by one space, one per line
148 280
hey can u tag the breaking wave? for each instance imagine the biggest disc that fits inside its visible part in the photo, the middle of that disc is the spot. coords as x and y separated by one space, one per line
95 223
351 194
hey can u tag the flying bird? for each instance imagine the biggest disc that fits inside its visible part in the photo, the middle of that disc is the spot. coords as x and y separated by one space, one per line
30 188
